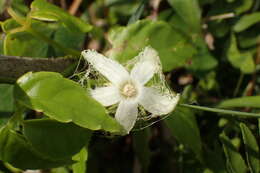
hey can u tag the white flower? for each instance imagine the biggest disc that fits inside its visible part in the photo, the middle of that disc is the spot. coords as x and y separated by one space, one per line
128 89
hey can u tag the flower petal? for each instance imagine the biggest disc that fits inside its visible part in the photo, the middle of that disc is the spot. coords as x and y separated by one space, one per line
126 114
107 96
109 68
156 103
148 64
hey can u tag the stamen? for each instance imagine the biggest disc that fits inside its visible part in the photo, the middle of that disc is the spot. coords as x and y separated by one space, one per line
129 90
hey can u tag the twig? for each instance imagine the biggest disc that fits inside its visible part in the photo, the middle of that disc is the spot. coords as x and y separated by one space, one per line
74 7
12 67
221 16
63 4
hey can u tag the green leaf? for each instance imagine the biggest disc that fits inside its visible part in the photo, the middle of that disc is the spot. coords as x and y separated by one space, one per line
235 161
248 101
21 43
42 10
243 61
252 149
137 14
222 111
141 147
67 38
54 139
202 60
247 21
19 6
175 21
183 126
17 151
9 24
214 159
81 159
63 100
189 11
245 6
6 99
173 48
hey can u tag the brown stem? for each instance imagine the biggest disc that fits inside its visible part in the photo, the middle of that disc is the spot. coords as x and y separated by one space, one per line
74 7
12 67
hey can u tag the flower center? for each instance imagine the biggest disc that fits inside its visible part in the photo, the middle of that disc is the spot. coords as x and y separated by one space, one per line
129 90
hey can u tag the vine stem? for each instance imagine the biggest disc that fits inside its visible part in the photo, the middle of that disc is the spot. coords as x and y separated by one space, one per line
223 111
26 26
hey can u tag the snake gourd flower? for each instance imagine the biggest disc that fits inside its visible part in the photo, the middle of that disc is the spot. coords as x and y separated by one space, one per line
128 88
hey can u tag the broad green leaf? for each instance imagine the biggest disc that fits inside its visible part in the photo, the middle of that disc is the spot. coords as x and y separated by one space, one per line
252 149
244 61
6 98
21 43
248 39
245 6
54 139
247 21
64 100
173 48
81 159
17 151
19 6
120 9
141 147
42 10
202 60
235 161
176 22
189 11
184 128
248 101
67 38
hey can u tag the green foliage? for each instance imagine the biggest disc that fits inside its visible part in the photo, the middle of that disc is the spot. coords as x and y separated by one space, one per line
20 43
235 162
81 159
63 100
128 41
209 50
184 127
16 150
6 99
42 10
54 139
249 101
243 61
252 149
189 11
247 21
